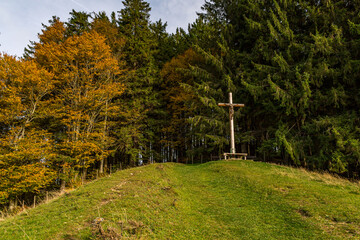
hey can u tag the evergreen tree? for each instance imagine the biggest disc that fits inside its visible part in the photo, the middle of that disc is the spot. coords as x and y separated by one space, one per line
77 23
134 24
138 129
165 48
299 55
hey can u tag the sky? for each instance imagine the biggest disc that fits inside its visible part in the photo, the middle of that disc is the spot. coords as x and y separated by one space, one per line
20 20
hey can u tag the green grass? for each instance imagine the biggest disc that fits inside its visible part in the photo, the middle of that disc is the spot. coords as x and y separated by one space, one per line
216 200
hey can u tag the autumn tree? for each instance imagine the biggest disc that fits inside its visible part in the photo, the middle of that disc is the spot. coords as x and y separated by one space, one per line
26 151
87 81
178 131
108 28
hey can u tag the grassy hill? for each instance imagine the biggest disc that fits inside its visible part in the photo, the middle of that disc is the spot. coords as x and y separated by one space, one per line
216 200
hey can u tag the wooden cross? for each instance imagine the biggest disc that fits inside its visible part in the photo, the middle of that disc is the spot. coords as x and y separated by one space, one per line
231 106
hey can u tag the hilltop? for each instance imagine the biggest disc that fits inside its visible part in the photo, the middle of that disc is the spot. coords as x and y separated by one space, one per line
216 200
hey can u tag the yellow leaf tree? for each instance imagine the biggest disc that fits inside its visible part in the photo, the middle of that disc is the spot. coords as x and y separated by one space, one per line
177 129
25 150
88 79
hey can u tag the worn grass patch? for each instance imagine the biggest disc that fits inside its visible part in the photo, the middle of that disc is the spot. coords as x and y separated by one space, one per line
217 200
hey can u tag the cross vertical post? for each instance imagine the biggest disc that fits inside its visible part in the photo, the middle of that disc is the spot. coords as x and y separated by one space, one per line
231 106
231 115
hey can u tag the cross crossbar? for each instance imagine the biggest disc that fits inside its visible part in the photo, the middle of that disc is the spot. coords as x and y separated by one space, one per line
231 105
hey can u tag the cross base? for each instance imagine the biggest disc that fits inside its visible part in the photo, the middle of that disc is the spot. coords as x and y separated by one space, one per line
234 156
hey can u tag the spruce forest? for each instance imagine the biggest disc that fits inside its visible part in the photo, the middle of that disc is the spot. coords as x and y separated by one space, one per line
101 92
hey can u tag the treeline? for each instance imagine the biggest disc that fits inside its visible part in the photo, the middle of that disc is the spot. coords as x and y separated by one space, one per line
100 92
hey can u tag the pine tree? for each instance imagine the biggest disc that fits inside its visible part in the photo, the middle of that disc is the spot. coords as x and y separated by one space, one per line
165 47
293 71
78 23
139 49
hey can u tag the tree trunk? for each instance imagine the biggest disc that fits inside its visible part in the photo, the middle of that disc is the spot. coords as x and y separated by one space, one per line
62 185
101 170
12 204
62 181
83 178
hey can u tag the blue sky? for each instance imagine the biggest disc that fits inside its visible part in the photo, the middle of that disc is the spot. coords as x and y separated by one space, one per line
20 20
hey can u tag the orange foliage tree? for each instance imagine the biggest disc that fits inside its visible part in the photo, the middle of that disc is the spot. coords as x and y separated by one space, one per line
110 31
25 150
179 103
88 78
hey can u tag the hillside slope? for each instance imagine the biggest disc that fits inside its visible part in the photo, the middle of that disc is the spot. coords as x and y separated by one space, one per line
217 200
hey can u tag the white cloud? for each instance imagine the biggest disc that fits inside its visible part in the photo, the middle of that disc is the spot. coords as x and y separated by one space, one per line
176 13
